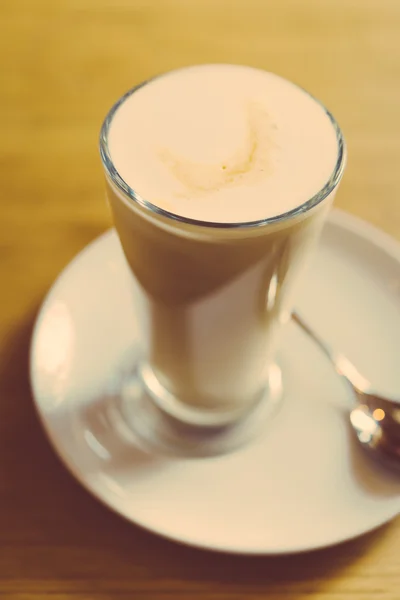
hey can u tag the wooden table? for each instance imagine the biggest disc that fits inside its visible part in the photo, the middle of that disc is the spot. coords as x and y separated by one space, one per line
63 63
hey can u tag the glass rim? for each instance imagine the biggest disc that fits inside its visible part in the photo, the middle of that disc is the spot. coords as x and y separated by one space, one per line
128 191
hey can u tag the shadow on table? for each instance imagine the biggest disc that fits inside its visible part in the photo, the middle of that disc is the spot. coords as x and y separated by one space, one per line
65 536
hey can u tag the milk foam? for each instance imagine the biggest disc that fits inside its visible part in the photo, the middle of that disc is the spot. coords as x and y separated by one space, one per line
223 143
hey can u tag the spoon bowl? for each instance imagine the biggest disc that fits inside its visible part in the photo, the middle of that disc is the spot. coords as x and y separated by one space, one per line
375 418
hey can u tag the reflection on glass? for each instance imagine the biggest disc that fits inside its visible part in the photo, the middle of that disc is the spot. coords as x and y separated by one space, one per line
273 286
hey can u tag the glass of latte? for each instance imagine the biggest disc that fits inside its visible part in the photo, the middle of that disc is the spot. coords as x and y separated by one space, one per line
219 178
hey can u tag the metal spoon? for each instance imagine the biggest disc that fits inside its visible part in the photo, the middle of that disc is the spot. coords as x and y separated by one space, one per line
375 419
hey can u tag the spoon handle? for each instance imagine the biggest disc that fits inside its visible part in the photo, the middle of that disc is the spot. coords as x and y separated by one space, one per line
341 363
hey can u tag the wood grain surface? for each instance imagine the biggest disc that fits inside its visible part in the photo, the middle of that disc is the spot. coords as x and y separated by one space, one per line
63 62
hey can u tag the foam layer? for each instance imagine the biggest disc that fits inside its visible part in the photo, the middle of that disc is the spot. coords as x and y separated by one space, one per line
223 143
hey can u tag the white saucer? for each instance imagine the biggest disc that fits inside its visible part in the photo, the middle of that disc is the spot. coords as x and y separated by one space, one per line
304 484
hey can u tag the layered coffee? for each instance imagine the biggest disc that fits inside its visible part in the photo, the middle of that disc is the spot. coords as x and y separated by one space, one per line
221 177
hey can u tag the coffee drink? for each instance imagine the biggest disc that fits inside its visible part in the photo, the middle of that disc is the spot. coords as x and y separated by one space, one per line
219 178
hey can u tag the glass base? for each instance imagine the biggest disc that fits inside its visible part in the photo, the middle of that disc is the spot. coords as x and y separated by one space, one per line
162 425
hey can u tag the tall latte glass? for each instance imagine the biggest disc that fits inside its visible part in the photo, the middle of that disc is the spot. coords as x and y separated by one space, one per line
219 178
